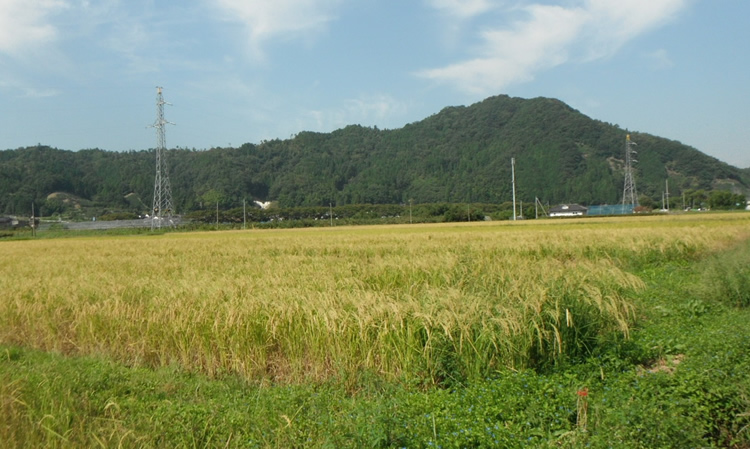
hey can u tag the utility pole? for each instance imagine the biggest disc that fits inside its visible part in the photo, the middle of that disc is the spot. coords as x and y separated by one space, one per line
330 212
666 193
162 207
513 181
33 221
537 205
629 193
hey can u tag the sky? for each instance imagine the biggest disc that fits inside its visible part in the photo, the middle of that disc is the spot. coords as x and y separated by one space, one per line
78 74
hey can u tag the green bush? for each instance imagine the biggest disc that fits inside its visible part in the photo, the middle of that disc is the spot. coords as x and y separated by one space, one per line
725 277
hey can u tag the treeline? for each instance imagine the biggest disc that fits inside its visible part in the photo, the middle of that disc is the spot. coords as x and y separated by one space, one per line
362 214
460 155
699 199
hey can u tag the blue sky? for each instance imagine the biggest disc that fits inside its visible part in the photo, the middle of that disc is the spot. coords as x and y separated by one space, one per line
80 74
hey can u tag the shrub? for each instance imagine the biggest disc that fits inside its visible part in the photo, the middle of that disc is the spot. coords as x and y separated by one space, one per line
726 277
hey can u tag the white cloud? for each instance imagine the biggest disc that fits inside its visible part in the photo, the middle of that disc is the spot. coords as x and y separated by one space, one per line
462 9
367 110
131 39
550 35
375 108
615 22
24 24
286 19
660 60
32 92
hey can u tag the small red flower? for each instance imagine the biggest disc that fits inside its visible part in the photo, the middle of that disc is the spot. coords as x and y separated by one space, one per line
583 393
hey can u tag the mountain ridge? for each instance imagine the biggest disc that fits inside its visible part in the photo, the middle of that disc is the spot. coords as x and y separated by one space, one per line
460 154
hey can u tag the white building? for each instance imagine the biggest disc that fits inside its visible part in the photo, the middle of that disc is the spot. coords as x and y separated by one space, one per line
567 210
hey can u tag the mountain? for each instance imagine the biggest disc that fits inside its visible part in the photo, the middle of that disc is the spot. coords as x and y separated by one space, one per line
461 154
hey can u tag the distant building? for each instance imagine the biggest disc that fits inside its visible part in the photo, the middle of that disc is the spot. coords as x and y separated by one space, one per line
7 222
567 210
11 222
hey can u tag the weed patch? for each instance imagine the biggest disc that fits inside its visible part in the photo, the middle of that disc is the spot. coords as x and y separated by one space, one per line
725 277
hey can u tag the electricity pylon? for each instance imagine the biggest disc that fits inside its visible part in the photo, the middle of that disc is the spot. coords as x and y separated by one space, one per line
629 193
163 212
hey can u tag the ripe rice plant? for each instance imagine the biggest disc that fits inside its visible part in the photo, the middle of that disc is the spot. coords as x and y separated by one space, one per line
433 303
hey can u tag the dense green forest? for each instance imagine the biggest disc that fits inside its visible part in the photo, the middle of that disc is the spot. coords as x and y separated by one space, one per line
459 155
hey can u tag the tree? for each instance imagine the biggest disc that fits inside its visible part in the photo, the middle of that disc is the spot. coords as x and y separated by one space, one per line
52 206
211 198
646 201
722 199
695 198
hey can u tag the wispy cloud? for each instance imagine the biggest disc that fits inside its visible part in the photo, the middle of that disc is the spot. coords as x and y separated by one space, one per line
284 19
551 35
659 59
32 92
366 110
375 108
461 9
613 23
24 24
131 39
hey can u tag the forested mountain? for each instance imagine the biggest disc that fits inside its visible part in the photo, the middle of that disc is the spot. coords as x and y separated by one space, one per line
461 154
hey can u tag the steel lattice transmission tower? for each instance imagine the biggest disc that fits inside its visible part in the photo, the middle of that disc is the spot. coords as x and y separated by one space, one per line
163 208
629 193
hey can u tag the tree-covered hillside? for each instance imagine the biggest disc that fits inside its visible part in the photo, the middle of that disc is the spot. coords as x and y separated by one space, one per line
461 154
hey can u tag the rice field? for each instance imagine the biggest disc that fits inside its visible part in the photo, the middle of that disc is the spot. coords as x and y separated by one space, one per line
425 303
